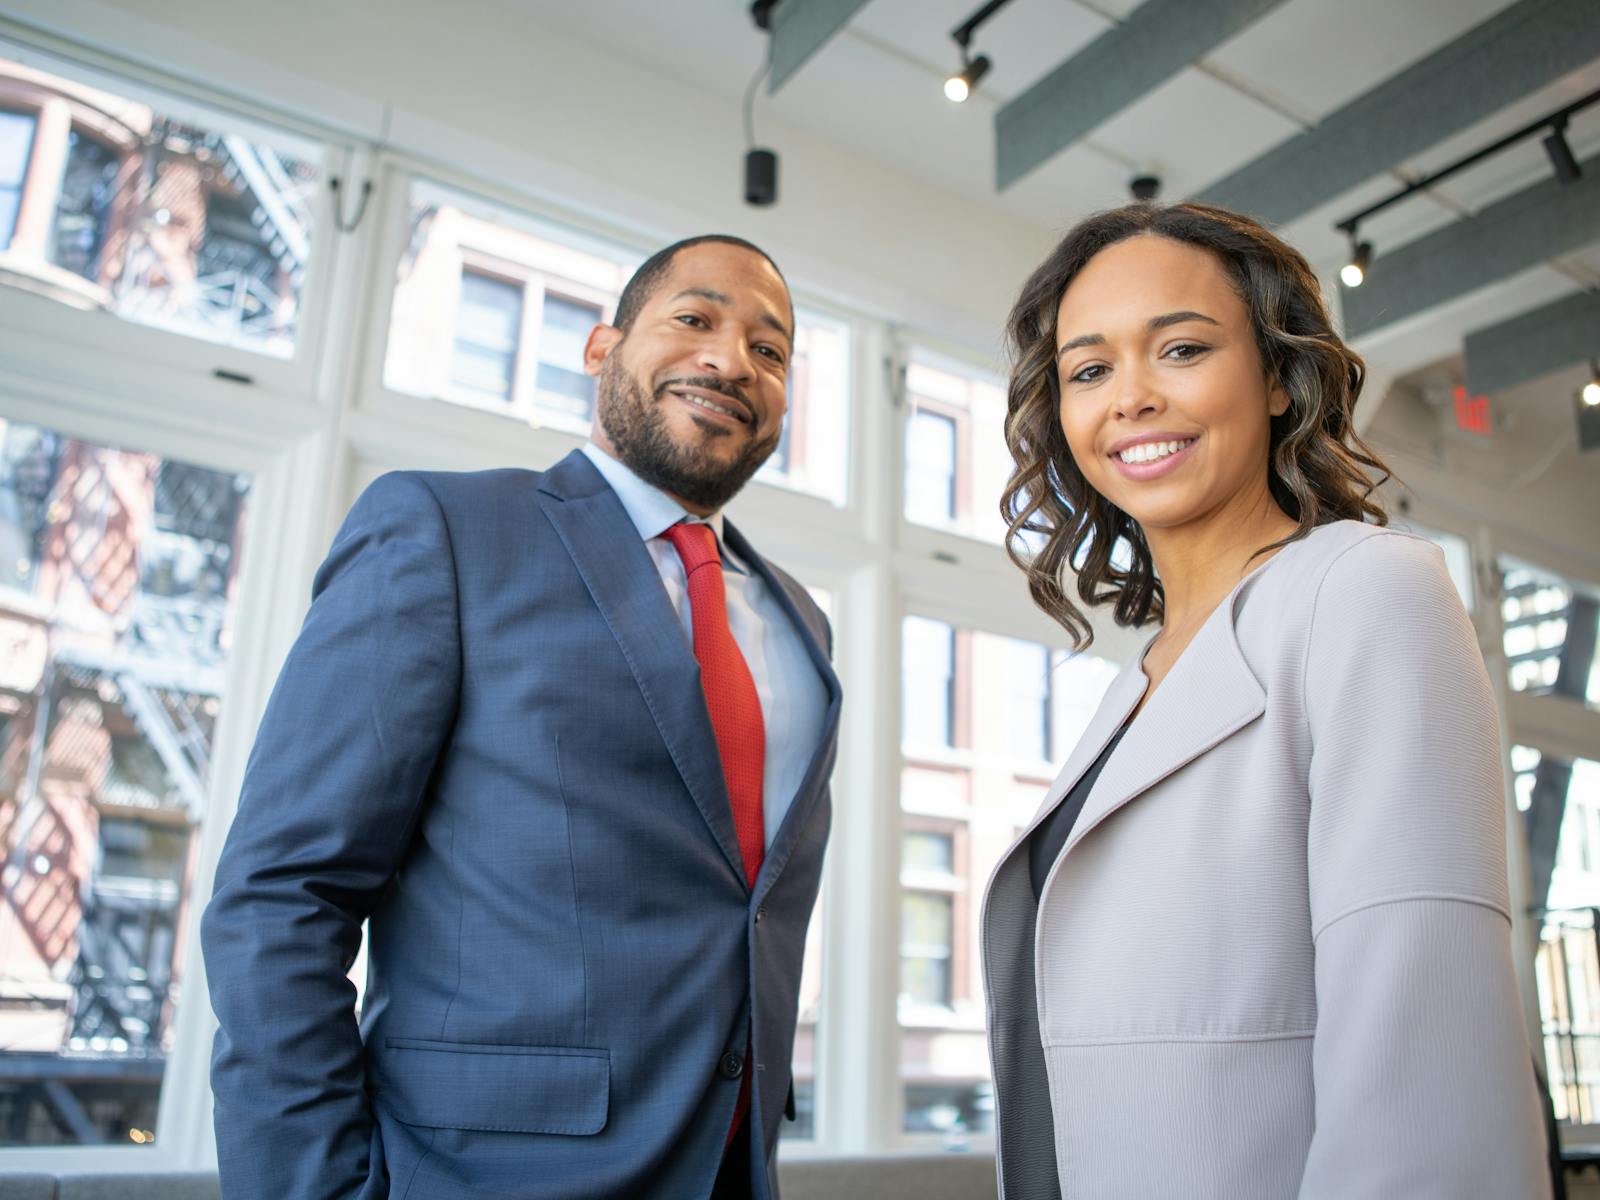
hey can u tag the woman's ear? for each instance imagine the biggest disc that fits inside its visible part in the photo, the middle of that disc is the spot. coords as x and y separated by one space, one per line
1277 398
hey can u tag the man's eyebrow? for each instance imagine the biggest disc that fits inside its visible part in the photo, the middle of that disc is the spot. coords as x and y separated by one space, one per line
724 299
1153 324
705 294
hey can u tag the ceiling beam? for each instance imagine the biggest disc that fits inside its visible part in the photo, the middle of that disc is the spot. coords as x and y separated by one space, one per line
1512 54
1156 41
1524 230
799 30
1547 339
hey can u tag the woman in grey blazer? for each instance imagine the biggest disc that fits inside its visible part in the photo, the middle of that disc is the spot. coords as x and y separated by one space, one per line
1256 943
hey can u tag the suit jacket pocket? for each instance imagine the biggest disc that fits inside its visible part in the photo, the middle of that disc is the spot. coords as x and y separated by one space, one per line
495 1087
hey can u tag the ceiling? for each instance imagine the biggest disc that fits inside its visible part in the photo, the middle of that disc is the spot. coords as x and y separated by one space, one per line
876 87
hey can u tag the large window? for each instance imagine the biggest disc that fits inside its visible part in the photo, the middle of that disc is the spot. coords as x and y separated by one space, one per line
492 307
983 716
116 607
147 209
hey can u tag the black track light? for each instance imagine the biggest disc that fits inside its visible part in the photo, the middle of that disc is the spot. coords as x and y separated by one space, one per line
959 87
1354 273
1561 157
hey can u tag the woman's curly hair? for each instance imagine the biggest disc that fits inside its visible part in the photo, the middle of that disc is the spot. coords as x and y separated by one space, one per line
1318 466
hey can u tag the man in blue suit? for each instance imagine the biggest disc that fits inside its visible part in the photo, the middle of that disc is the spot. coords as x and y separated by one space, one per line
564 740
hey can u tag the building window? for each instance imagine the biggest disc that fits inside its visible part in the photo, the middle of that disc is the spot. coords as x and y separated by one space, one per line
488 324
1027 668
83 211
564 387
132 205
931 468
1552 635
16 144
928 691
957 463
926 924
111 686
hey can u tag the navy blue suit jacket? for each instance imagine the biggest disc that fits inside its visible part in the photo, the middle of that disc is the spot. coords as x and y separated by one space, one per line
490 741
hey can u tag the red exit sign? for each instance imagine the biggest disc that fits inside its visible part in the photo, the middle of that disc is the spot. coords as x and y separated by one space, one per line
1472 412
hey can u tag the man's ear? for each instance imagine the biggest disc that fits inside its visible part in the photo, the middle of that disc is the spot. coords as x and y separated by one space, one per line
602 340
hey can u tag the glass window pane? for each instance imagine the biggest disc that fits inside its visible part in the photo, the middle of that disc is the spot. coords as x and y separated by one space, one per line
957 464
16 143
1561 802
117 579
564 385
927 699
962 808
488 324
1552 634
161 214
576 279
813 455
806 1058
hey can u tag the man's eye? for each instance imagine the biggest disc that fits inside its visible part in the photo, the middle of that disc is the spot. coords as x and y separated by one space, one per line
771 352
691 319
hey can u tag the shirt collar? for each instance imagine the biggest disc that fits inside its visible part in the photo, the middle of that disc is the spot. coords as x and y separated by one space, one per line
650 509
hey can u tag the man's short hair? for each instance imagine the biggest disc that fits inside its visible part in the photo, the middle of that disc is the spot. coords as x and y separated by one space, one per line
654 269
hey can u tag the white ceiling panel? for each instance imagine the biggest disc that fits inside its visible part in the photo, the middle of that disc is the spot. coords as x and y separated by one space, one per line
1318 56
1192 129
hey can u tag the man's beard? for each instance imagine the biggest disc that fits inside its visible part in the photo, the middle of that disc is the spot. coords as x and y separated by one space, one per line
638 431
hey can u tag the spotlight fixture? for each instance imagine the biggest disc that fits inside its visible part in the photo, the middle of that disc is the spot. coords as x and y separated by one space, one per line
1591 390
1145 187
962 84
1354 273
1561 157
1567 168
959 87
760 162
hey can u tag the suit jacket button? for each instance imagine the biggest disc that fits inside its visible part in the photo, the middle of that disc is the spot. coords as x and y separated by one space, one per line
731 1066
760 912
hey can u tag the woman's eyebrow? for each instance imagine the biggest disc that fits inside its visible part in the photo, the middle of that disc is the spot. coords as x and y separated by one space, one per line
1153 324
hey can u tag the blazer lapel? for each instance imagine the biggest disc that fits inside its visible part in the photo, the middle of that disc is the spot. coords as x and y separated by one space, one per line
822 755
626 588
1209 695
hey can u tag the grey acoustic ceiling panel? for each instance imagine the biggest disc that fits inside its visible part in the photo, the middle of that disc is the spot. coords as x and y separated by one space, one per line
1158 39
1533 226
1492 65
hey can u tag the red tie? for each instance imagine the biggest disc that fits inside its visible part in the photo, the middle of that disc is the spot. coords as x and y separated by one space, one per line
730 691
735 716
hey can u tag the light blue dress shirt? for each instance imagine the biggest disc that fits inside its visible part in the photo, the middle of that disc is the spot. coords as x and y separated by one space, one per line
793 697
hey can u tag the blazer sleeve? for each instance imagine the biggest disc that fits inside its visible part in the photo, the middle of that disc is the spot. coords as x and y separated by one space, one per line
330 799
1422 1069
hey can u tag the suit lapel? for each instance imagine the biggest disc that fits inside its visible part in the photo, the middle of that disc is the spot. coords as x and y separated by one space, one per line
805 799
1209 695
626 587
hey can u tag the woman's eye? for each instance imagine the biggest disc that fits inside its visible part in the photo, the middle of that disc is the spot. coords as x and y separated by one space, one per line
1088 374
1186 350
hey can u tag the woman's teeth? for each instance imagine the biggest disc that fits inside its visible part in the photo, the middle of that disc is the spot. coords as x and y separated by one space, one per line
1150 451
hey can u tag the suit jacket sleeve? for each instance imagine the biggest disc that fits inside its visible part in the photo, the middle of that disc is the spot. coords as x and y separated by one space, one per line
330 800
1423 1076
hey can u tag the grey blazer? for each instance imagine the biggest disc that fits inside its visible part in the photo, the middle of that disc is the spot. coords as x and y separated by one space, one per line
1273 958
